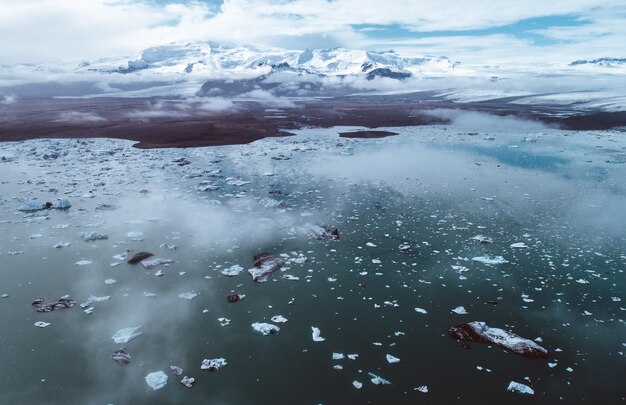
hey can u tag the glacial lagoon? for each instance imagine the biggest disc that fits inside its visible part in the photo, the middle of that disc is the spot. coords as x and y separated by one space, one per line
407 209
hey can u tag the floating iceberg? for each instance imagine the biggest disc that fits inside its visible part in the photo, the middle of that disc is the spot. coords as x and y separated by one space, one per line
490 259
93 235
316 334
378 380
126 335
264 265
121 356
152 263
265 328
156 380
232 271
34 205
479 332
519 388
213 364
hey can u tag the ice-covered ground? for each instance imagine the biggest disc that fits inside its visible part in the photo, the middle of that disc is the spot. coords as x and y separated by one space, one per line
407 210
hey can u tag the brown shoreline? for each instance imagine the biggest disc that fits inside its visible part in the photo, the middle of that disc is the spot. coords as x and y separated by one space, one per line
249 121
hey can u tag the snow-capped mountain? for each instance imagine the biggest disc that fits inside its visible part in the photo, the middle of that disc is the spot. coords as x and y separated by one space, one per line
604 62
220 60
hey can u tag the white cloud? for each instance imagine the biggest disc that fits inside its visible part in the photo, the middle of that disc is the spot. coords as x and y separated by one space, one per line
56 30
75 117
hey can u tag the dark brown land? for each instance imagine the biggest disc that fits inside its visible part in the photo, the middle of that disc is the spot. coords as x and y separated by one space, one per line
367 134
173 126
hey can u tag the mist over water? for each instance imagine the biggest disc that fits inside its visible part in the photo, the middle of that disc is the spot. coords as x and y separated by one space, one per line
559 193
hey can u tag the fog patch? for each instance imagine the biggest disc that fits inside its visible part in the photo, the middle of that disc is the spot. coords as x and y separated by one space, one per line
76 117
481 121
267 98
8 99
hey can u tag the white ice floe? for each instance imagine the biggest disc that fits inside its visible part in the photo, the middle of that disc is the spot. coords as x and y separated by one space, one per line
392 359
338 356
84 262
279 319
156 380
232 270
460 311
421 311
213 364
126 335
93 235
41 324
519 388
223 321
370 244
316 334
265 328
135 236
109 281
61 245
519 245
188 295
152 263
422 388
357 384
490 259
482 239
187 381
378 380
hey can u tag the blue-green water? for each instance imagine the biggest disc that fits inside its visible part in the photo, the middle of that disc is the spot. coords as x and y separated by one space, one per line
433 188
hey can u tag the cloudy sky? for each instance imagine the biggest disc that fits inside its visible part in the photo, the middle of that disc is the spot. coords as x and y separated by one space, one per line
485 31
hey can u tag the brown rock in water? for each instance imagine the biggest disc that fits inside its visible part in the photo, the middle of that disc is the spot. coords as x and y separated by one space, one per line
61 303
479 332
234 297
139 257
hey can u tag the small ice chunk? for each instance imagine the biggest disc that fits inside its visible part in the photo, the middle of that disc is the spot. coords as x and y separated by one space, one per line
582 281
61 245
353 356
223 321
84 262
91 236
392 359
152 263
279 319
41 324
316 334
232 270
519 245
338 356
213 364
175 370
490 259
519 388
357 384
460 311
187 381
156 380
482 239
378 380
422 388
552 365
188 295
370 244
109 281
126 335
135 236
265 328
421 311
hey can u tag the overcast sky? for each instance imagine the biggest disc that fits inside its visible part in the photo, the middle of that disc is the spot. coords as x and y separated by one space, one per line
486 31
